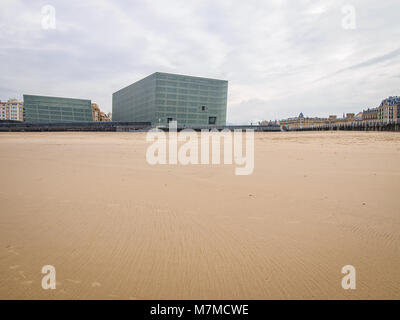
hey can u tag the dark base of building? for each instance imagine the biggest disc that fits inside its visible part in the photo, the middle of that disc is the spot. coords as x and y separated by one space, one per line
72 126
393 126
117 127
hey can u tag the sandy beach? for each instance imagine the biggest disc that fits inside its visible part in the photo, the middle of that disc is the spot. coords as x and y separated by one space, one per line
115 227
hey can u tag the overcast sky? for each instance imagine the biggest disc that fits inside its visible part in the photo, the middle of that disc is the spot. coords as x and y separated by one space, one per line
281 57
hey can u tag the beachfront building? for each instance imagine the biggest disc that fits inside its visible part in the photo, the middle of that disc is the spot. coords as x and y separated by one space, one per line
302 122
164 97
389 109
98 115
308 122
54 109
370 114
12 110
95 112
349 117
104 116
358 116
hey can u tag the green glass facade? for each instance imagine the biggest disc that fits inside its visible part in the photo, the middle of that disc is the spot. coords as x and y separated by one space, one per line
53 109
162 97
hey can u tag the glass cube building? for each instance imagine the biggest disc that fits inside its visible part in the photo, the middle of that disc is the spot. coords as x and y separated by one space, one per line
41 109
163 97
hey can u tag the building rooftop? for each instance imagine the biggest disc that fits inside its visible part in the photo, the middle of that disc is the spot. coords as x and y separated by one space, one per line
390 101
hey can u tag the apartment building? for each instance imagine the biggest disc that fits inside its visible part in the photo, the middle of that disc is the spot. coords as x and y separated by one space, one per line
12 110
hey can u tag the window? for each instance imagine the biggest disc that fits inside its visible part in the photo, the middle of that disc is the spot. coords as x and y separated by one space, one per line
212 120
203 108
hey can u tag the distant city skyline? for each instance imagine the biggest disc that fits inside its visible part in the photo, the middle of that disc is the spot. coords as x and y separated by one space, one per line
280 57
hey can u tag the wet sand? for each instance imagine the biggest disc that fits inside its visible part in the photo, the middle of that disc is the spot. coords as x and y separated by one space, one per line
115 227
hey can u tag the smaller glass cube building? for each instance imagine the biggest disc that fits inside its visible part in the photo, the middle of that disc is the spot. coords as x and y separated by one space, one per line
42 109
163 97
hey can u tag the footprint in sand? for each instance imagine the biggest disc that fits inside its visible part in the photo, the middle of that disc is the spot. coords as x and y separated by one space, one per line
96 284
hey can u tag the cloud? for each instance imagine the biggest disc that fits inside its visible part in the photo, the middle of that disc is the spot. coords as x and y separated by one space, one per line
370 62
270 51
